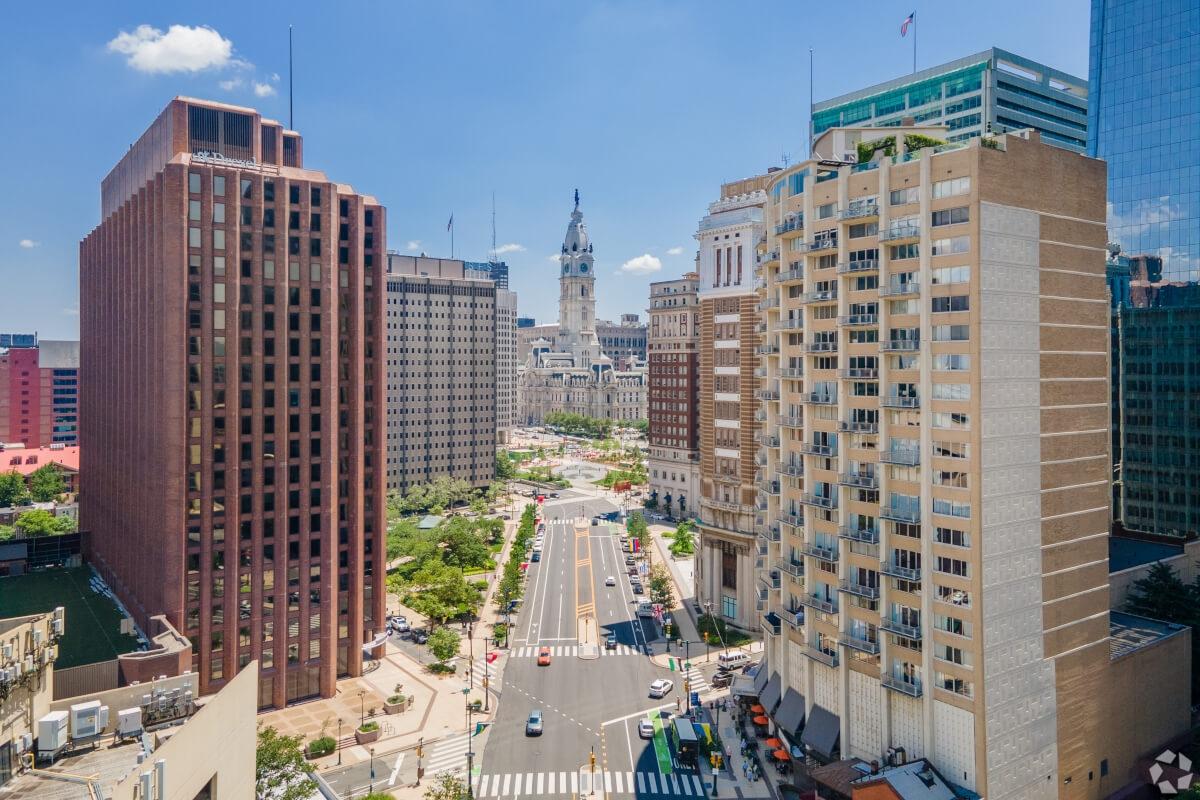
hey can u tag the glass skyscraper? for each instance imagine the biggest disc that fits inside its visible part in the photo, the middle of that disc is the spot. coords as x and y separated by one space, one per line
1144 120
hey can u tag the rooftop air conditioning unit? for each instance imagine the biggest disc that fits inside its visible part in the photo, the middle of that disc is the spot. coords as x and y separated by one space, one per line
29 663
37 635
7 650
88 719
129 722
57 626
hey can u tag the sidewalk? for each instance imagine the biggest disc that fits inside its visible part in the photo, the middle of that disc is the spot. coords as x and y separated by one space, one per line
734 778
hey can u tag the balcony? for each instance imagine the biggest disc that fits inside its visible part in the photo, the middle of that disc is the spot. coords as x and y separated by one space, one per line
862 645
821 244
894 570
822 553
790 325
761 327
858 320
814 449
859 373
770 533
722 505
818 500
816 654
792 470
854 267
900 345
860 590
905 457
897 514
790 224
910 688
769 487
791 276
767 258
791 422
819 398
900 289
767 303
793 519
793 568
814 602
864 535
856 426
860 480
770 441
900 233
859 211
823 296
769 580
900 401
767 394
898 628
760 372
822 347
792 373
772 625
794 618
767 349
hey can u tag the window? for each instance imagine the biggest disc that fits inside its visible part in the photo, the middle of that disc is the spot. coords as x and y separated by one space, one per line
903 251
949 275
218 239
953 186
952 391
194 210
941 305
944 247
951 333
953 537
219 185
864 229
194 182
950 683
951 508
951 478
193 237
826 211
218 212
953 363
951 216
950 449
900 197
246 188
951 421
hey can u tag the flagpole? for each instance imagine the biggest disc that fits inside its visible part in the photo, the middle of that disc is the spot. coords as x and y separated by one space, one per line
914 27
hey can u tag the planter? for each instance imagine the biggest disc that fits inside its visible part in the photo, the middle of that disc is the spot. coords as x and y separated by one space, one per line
366 737
401 705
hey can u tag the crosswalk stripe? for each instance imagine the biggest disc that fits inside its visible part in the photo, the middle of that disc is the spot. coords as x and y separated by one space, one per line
550 783
687 787
674 784
699 784
507 778
574 782
562 782
528 783
607 781
641 784
539 783
506 786
652 779
629 779
484 780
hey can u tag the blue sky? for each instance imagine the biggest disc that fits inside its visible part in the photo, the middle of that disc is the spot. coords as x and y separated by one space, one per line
645 106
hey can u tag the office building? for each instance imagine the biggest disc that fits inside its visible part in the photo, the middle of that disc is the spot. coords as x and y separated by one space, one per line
566 367
935 382
442 366
39 391
624 342
989 92
1144 121
1160 422
506 364
730 334
494 270
673 372
232 376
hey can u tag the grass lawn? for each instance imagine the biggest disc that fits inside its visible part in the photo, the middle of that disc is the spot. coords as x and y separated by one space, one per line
92 628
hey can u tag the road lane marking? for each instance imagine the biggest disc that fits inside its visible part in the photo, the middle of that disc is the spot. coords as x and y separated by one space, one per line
539 783
395 770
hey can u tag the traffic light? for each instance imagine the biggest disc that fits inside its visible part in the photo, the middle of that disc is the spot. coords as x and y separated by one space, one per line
706 637
685 686
593 762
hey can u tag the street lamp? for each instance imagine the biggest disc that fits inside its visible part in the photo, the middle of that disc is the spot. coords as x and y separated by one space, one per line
371 750
362 714
420 753
339 742
470 754
486 697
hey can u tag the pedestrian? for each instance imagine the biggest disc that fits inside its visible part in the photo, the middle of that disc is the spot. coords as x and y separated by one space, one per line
745 770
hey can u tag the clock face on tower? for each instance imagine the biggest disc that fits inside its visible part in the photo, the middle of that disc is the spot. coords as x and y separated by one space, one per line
583 267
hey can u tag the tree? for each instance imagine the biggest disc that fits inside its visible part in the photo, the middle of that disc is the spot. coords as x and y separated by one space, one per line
281 773
479 506
1161 595
464 546
660 585
442 592
446 786
504 467
7 532
46 483
443 643
683 543
40 522
12 489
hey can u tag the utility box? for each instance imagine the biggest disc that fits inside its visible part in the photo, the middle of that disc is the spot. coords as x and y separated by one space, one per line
129 722
88 720
52 735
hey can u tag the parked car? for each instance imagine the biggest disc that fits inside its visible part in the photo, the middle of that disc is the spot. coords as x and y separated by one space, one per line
420 636
544 657
661 688
537 555
633 570
721 680
401 626
534 725
646 729
638 588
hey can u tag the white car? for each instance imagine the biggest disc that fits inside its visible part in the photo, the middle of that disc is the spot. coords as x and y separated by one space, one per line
661 688
610 581
646 729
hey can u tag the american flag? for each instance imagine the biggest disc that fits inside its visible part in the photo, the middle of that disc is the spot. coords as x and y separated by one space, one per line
908 21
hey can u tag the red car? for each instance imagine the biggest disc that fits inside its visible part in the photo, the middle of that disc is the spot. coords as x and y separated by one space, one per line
544 657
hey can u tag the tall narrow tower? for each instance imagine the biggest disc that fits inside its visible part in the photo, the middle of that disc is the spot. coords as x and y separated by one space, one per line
577 297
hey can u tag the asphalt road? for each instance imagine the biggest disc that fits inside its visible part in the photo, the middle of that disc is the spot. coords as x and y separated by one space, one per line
589 704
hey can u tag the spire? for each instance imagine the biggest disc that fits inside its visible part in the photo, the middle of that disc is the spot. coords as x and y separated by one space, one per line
576 240
576 199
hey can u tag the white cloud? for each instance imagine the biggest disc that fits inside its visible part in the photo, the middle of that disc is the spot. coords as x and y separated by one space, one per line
553 258
510 248
642 265
180 49
230 85
263 89
414 245
29 244
675 251
73 311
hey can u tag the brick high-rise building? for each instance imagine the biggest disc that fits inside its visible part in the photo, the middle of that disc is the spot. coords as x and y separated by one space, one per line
233 386
673 375
729 341
39 391
934 563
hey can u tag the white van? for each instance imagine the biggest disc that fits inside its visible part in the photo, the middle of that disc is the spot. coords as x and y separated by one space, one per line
732 661
645 609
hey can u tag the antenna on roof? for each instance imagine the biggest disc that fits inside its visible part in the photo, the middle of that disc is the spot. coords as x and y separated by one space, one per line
784 158
291 124
494 257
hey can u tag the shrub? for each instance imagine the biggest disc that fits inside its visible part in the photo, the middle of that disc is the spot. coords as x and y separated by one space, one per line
369 727
321 746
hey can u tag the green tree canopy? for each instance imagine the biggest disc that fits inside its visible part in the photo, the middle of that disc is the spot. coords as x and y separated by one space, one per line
281 773
40 522
12 489
46 483
443 643
1161 595
446 786
504 467
660 585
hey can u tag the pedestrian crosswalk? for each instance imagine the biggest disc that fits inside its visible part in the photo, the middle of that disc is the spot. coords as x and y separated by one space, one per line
570 650
549 784
446 755
481 668
696 681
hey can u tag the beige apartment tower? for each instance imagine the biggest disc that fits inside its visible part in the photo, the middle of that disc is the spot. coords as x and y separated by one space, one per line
729 338
441 352
933 558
